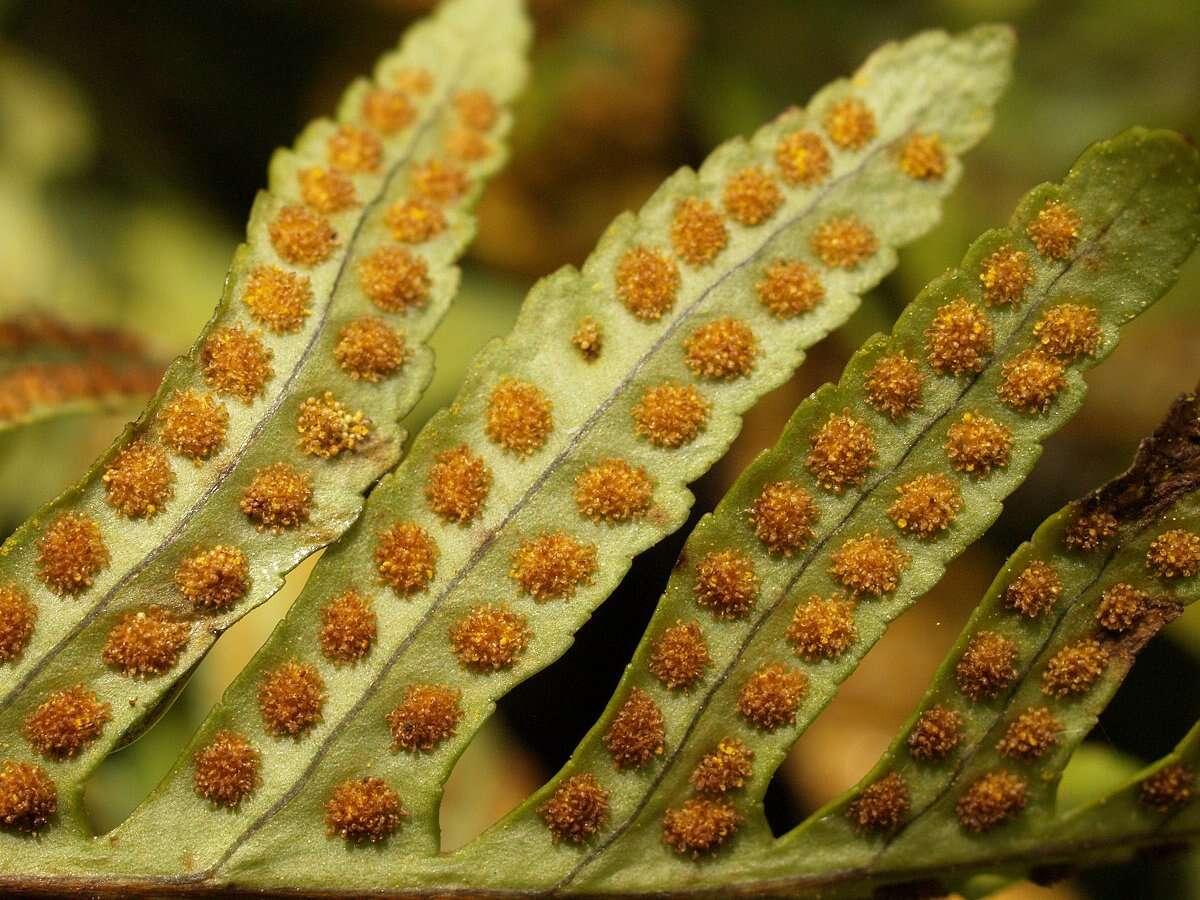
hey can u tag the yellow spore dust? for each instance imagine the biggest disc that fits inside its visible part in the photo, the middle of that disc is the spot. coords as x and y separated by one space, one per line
405 555
588 339
850 124
926 505
959 339
1030 735
822 629
368 349
139 481
802 158
1030 381
893 385
789 288
439 182
278 299
414 221
726 584
843 451
388 112
882 806
783 516
1034 591
71 552
395 279
1005 275
613 491
214 579
647 282
725 769
1174 554
936 733
518 416
326 190
976 445
301 236
991 800
1055 230
923 157
1069 331
193 424
670 415
278 497
354 150
18 616
235 362
698 231
723 349
1075 668
489 637
844 242
751 196
326 428
552 565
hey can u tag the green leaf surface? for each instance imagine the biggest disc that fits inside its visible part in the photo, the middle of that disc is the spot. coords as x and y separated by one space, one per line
294 391
1137 203
571 410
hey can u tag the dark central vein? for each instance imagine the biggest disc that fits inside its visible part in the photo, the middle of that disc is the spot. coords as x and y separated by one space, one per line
866 495
268 417
577 437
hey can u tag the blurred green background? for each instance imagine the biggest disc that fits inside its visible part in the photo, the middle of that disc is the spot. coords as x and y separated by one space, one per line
133 137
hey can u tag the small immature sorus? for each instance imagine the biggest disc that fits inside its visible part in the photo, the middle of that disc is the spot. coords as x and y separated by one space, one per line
871 564
145 643
783 516
71 552
613 491
518 416
291 698
1170 788
138 482
926 505
698 231
226 769
1034 591
636 735
843 451
214 579
670 415
679 656
893 385
458 484
18 616
1031 735
1174 554
751 196
193 424
991 800
727 768
726 584
937 731
1074 668
959 338
822 629
1055 230
647 282
66 722
363 809
278 497
849 123
28 797
576 810
771 696
844 242
986 668
882 806
789 288
348 628
236 363
428 715
588 339
975 445
404 557
553 565
489 637
699 826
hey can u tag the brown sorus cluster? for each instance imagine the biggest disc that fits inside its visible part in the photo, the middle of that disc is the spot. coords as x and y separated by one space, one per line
803 158
1121 607
613 491
843 450
647 282
368 349
789 288
458 484
698 232
518 416
991 800
959 338
354 150
279 299
66 722
670 415
923 157
348 627
1069 331
145 642
326 428
291 698
724 348
1074 668
975 445
71 551
871 564
726 584
553 565
1091 530
771 696
881 807
1055 230
138 482
18 616
1030 735
1034 591
1030 381
1175 554
28 797
700 826
215 578
326 191
428 715
404 557
1172 786
751 196
727 768
926 505
849 123
986 667
588 339
235 362
278 497
822 629
636 735
394 278
301 236
193 424
783 516
937 731
363 809
226 769
893 385
489 637
576 810
1005 275
679 656
844 242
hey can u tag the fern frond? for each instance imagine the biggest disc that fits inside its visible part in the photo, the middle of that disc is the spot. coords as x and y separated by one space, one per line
260 444
566 453
875 484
